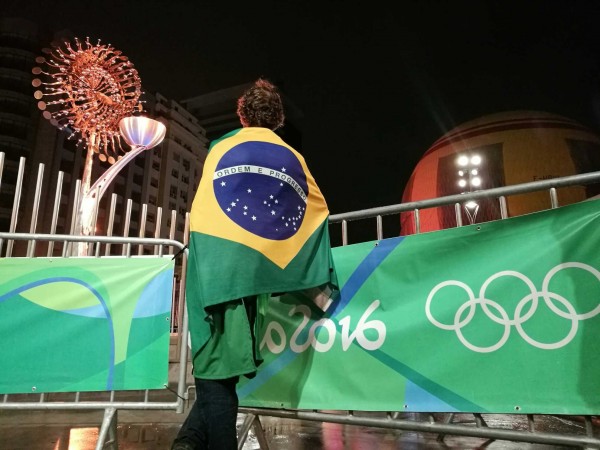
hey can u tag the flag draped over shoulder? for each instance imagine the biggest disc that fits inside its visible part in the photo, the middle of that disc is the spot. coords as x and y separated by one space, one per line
258 224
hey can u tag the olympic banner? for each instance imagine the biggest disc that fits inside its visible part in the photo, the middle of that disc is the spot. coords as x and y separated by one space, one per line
84 324
496 317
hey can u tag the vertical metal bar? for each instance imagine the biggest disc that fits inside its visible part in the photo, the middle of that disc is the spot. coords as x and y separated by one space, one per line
503 207
531 423
127 247
172 229
553 198
158 249
458 214
379 228
55 210
182 280
479 420
1 170
142 233
243 432
111 221
1 167
95 211
74 206
17 200
35 211
106 430
589 426
174 308
344 232
260 434
417 222
94 222
97 251
74 217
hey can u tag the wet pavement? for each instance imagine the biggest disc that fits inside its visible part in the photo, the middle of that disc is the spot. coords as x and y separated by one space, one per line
155 430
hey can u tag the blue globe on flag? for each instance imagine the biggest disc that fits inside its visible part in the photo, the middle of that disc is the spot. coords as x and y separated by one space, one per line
262 187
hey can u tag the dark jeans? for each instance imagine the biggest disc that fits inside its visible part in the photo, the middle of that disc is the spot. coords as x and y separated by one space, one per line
211 423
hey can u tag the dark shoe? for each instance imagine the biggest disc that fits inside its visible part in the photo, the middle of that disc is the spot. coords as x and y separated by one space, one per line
182 446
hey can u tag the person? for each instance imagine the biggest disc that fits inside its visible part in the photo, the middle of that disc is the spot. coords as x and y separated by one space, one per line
258 227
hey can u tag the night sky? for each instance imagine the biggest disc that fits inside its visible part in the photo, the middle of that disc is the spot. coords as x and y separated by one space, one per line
377 86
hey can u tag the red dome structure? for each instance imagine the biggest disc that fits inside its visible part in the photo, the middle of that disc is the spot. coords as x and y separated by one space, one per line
497 150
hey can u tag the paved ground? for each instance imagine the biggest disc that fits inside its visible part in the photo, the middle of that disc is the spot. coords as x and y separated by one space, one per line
155 430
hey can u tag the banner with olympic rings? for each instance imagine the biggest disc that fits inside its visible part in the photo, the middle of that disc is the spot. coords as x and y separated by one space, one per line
84 324
499 317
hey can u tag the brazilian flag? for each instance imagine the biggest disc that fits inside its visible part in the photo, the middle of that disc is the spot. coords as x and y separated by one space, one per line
258 225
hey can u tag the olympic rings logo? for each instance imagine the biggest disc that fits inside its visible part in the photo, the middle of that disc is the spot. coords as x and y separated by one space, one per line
501 316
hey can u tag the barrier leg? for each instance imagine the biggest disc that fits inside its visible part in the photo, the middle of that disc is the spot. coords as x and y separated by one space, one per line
108 429
253 421
260 434
243 435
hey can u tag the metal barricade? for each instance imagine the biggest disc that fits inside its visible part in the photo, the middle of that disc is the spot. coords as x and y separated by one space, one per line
509 427
522 428
110 401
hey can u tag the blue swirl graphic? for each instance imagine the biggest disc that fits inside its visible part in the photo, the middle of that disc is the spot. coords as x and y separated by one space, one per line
95 293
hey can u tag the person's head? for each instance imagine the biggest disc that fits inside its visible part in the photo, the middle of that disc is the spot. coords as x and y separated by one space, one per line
261 106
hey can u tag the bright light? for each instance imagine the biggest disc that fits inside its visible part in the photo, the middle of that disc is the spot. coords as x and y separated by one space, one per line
476 181
462 183
461 173
476 160
462 160
474 172
471 204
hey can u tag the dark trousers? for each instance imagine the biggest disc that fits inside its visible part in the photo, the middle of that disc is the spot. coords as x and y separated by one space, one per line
211 423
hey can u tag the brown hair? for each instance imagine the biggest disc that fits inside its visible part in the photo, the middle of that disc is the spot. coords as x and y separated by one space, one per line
261 106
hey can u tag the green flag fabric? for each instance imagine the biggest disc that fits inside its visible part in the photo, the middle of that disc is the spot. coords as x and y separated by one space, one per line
258 225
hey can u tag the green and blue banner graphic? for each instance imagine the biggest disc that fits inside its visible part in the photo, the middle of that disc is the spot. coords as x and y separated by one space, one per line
499 317
84 324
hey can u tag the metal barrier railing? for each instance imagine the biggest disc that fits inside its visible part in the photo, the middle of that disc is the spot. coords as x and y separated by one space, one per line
473 425
499 193
463 424
107 437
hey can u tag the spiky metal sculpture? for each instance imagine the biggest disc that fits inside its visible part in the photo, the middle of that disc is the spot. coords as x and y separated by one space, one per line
87 89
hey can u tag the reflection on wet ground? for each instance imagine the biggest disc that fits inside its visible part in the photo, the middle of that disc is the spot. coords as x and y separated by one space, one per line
281 434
